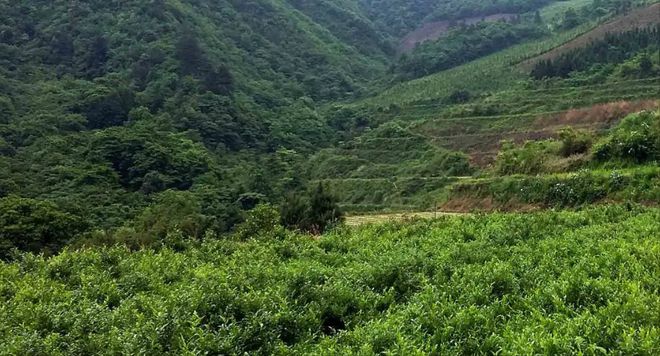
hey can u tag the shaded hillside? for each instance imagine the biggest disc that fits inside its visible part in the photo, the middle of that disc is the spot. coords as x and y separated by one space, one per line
434 30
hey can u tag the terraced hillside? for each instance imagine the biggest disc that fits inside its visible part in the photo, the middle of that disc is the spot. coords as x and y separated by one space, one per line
497 102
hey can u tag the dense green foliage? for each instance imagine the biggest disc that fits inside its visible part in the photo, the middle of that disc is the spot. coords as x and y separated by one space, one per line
573 17
30 225
636 140
174 176
614 48
103 108
556 283
314 214
570 171
562 190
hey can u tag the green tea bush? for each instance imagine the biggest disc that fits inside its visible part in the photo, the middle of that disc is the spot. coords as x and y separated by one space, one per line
261 222
541 283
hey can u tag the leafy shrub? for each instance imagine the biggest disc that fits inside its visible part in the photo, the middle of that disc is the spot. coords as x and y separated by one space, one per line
35 226
314 214
529 158
574 142
294 210
579 189
636 139
262 222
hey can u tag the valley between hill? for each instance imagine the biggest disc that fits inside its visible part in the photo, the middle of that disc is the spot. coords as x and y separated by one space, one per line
270 177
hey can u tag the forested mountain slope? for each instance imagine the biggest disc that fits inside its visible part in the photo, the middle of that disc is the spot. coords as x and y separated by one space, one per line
154 114
122 100
642 18
401 16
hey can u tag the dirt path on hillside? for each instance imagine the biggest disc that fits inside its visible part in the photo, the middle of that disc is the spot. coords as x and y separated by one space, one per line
358 220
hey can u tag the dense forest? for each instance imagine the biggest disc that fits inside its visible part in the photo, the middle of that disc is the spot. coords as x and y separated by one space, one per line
399 16
122 103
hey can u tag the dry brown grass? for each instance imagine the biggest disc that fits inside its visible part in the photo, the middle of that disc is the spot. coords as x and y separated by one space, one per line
358 220
598 115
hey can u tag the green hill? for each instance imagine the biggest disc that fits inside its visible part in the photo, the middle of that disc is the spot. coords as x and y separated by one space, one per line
471 108
233 103
123 101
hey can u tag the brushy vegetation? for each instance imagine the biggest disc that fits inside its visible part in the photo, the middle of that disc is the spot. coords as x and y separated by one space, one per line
622 165
635 140
551 282
569 190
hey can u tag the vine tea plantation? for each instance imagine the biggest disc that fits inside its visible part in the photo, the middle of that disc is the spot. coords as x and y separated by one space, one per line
330 177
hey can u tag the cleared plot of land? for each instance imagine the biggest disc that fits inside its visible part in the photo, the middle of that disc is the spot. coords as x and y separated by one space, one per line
434 30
